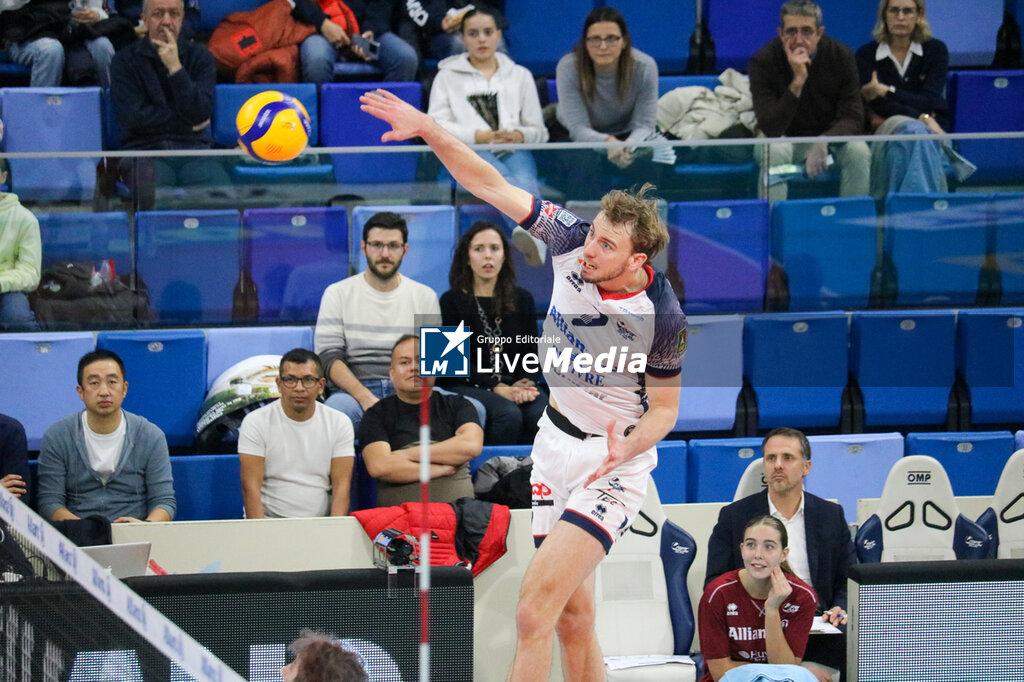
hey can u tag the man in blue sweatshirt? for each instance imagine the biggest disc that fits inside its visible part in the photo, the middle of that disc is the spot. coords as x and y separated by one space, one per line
103 460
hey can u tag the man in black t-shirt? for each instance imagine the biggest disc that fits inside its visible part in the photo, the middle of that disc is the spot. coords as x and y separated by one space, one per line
390 436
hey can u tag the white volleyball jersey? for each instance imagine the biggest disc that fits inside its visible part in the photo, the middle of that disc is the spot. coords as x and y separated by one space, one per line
608 329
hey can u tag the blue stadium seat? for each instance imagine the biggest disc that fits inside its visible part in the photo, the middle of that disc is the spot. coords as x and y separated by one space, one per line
190 262
990 358
1018 440
662 29
670 83
970 36
670 474
12 71
851 22
166 374
797 366
712 374
213 11
827 248
490 451
990 101
973 460
1007 211
207 487
848 467
52 120
536 48
431 241
39 378
86 237
226 346
720 250
351 70
739 29
714 467
537 280
343 124
364 487
298 250
903 362
111 128
937 243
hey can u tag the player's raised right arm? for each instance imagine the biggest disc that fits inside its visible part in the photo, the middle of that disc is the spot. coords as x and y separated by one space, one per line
468 169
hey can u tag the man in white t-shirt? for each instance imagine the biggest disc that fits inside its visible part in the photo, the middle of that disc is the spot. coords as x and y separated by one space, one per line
296 454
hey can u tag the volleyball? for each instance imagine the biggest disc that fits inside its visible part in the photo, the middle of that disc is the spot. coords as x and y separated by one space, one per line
273 127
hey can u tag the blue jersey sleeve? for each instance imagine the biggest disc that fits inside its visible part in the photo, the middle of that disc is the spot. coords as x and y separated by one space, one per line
665 359
559 228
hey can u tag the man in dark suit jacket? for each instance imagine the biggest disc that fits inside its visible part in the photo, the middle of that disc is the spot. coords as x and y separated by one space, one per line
828 550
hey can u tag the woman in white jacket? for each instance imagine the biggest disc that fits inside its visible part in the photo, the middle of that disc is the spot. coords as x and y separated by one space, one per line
483 97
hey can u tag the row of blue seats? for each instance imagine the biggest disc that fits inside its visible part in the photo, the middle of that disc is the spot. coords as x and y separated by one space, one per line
738 28
844 467
663 28
904 364
81 119
942 248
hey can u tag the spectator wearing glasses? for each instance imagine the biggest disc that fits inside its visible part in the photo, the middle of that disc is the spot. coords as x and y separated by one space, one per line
362 316
903 79
608 92
804 84
296 454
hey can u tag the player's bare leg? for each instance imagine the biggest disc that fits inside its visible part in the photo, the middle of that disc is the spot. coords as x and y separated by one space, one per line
562 564
581 654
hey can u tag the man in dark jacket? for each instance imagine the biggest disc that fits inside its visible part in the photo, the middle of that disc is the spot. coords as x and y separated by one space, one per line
820 547
805 84
162 89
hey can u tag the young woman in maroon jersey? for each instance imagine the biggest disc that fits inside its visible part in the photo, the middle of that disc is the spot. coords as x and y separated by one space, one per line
761 613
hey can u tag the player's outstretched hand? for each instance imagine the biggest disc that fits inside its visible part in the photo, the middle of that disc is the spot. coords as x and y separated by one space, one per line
406 121
616 455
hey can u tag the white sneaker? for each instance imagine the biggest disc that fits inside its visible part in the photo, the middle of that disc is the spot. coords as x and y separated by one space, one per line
534 250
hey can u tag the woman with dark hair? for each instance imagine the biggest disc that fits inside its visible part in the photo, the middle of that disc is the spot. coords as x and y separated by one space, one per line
500 314
761 613
607 89
903 78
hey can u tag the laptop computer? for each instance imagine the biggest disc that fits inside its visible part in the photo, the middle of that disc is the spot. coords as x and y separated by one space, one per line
125 560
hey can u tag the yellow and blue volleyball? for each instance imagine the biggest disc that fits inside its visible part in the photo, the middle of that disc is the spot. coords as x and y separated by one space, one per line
273 127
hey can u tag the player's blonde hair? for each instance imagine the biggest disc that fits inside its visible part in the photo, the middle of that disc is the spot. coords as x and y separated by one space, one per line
640 214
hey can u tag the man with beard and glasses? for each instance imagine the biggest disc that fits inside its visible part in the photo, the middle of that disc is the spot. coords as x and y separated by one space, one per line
362 317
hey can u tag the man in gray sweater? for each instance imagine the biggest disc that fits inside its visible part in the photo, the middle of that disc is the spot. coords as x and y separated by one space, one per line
103 460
